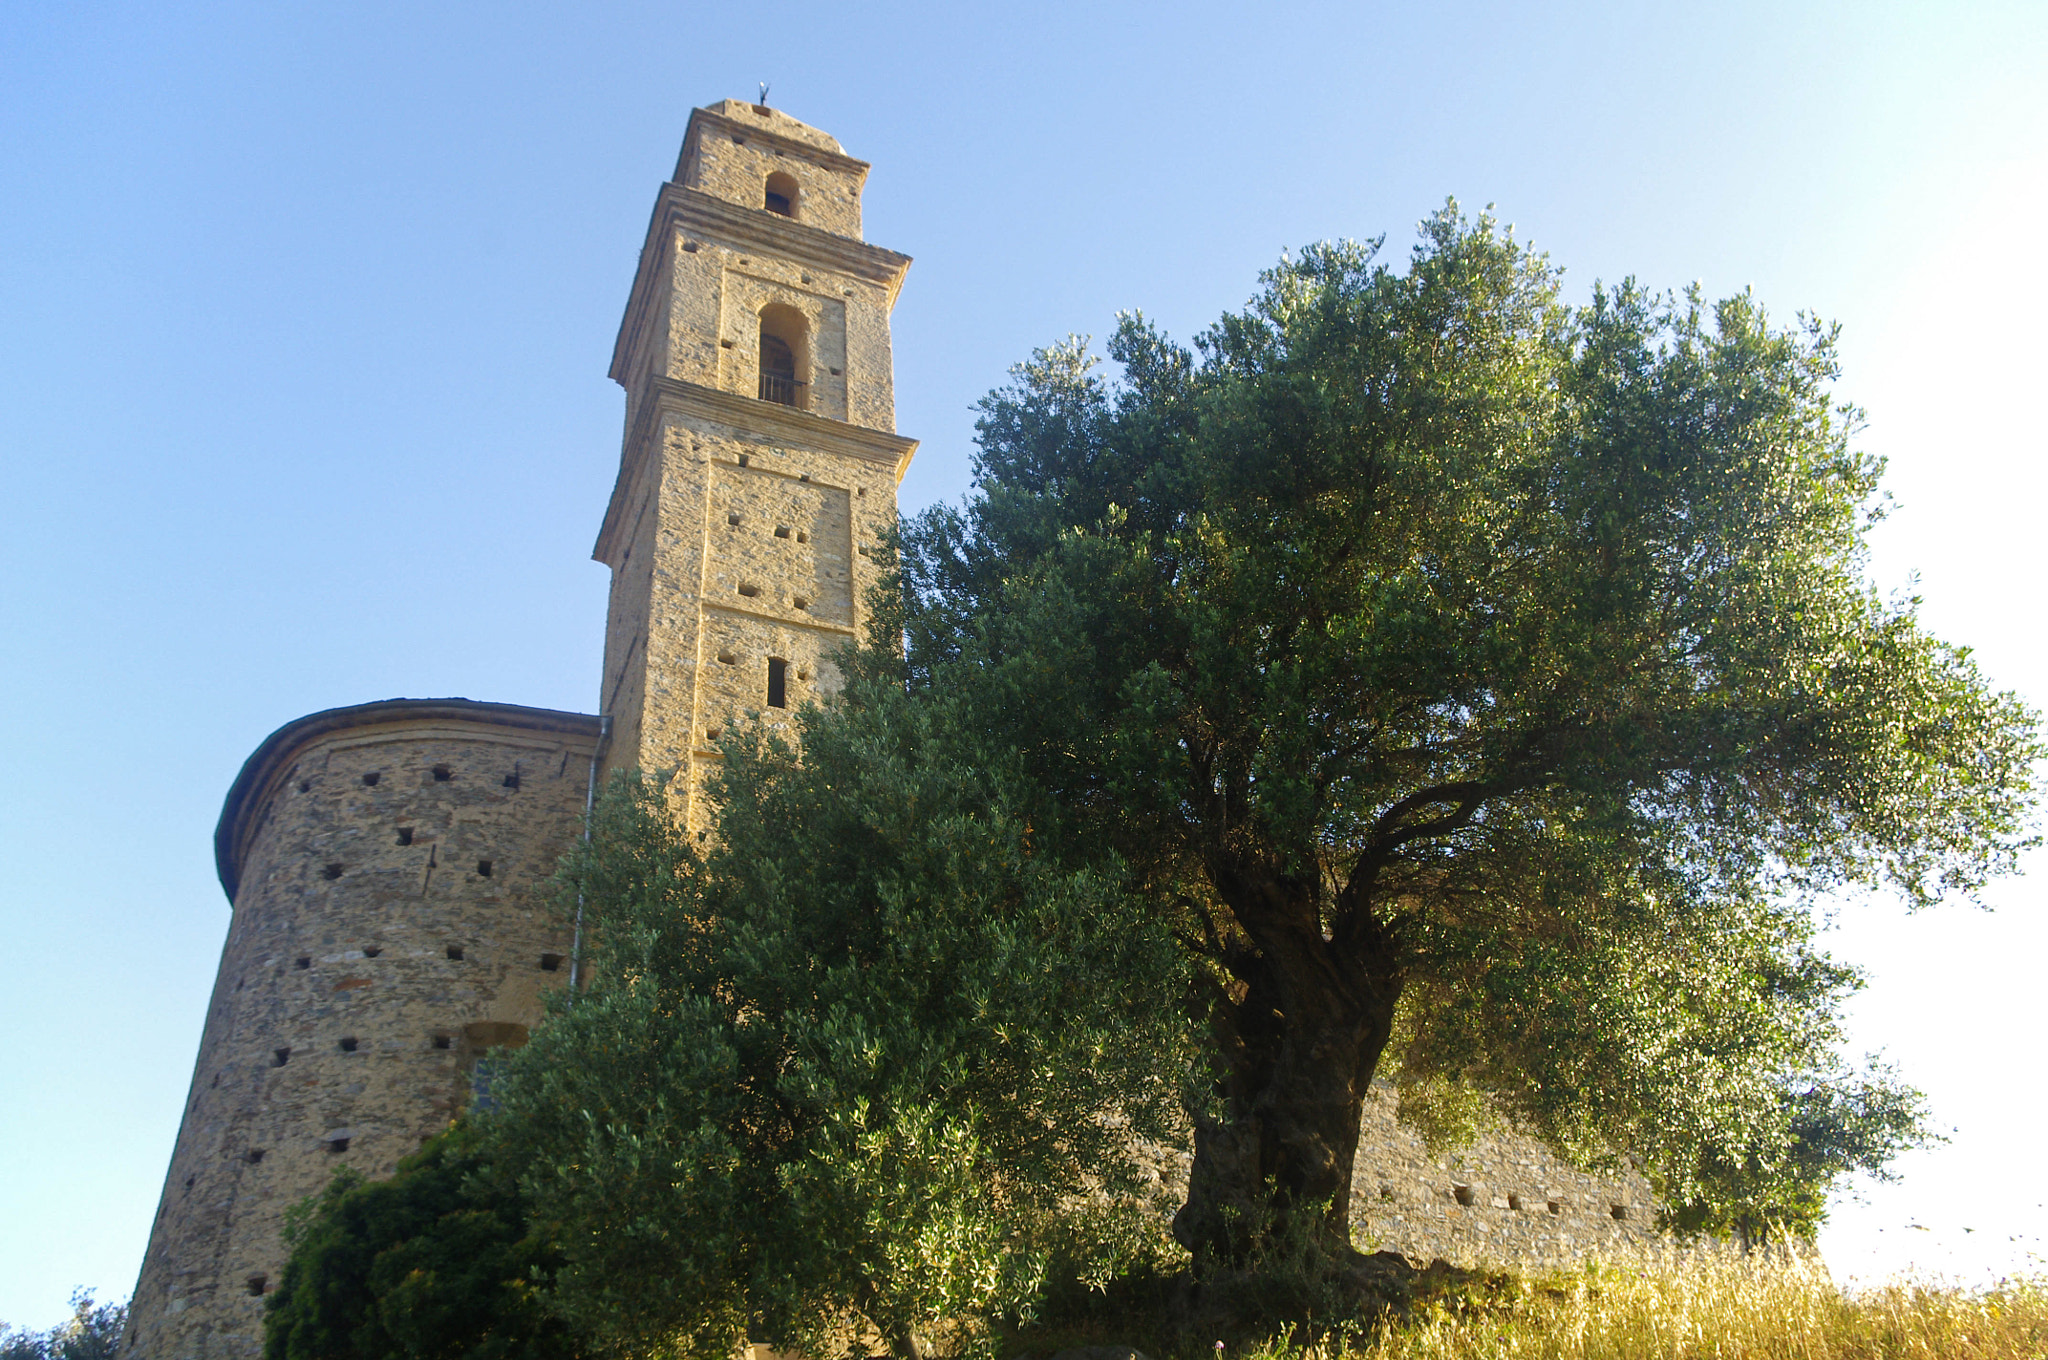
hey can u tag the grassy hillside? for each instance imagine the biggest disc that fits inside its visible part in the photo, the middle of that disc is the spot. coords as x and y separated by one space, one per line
1680 1309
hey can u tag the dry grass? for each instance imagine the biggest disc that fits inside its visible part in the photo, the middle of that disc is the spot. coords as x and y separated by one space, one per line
1704 1307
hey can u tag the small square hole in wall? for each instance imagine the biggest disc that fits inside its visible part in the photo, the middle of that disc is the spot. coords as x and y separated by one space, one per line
733 519
689 247
551 963
305 786
835 372
348 1045
444 1041
749 589
189 1181
743 460
483 868
371 778
405 835
1462 1193
713 733
280 1056
782 531
802 537
803 476
303 961
1515 1203
1619 1211
331 872
337 1145
799 602
728 659
253 1156
1557 1206
257 1284
371 951
442 774
455 952
1386 1191
512 781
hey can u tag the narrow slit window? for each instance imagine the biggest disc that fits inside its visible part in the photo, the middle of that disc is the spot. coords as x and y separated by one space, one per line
778 682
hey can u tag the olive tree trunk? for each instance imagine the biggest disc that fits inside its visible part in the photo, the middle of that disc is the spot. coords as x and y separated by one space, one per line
1299 1043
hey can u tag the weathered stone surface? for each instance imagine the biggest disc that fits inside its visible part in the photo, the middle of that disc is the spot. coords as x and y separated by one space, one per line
741 531
1506 1199
364 850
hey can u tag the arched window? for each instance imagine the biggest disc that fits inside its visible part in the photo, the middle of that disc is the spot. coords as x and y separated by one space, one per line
784 355
781 194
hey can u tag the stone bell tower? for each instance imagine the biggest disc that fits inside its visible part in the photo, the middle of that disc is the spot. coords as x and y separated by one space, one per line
760 461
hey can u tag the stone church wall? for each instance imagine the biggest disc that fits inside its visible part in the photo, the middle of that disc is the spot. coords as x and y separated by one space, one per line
386 866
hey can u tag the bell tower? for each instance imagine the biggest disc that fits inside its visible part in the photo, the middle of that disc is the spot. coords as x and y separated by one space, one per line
760 461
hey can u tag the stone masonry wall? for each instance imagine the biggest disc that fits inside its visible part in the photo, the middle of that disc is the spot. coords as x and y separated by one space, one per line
1507 1199
741 531
387 930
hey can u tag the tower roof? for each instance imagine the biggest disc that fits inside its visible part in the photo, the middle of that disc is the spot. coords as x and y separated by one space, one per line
774 121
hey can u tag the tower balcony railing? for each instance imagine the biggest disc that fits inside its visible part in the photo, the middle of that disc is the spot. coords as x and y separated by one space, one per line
785 391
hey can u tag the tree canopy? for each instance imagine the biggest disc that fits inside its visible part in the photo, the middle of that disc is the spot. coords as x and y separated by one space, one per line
439 1262
869 1053
1456 664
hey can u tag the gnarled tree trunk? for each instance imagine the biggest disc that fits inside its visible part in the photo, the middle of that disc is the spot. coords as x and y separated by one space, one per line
1299 1044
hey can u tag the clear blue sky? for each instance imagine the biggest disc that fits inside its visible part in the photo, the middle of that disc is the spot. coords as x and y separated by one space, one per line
305 313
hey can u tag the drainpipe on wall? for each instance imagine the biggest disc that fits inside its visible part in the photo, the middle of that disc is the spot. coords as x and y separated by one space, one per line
604 735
